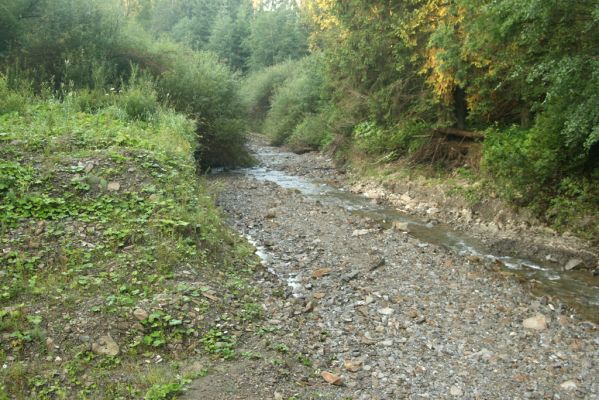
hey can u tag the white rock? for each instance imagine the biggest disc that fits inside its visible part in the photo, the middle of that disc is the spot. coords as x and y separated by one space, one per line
573 264
386 311
539 322
400 226
140 314
362 232
114 186
456 391
106 346
569 385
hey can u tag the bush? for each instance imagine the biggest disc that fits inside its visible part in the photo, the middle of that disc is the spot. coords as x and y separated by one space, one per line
297 97
532 168
202 87
91 101
139 99
259 88
400 140
10 101
311 134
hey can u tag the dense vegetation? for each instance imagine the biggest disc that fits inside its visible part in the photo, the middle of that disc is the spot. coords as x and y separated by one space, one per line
116 271
107 232
393 76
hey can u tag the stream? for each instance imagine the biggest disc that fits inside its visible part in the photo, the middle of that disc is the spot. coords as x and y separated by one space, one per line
578 289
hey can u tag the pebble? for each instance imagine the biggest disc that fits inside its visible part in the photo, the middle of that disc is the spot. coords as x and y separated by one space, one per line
569 385
456 391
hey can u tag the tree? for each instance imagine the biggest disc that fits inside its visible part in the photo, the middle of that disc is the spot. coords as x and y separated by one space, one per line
275 36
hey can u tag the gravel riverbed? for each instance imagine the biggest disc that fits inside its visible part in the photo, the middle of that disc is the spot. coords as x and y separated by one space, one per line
391 316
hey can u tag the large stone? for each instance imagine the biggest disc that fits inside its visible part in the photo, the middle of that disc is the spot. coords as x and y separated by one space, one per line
106 346
574 263
140 314
386 311
456 391
362 232
401 226
569 385
113 186
539 322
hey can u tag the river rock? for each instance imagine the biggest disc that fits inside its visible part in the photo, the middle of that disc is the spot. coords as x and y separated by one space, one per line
400 226
113 186
270 214
574 263
456 391
386 311
332 378
539 322
140 314
106 346
362 232
352 365
569 385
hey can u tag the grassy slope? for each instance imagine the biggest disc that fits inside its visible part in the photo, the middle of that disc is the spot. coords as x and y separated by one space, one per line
101 217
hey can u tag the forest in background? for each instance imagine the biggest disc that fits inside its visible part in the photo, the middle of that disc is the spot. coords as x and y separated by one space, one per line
502 93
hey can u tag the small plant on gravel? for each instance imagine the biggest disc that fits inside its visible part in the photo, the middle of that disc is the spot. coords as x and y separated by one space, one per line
281 348
251 355
167 390
219 343
251 312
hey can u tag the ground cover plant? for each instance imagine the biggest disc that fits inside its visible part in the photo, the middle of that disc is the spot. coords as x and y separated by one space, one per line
115 263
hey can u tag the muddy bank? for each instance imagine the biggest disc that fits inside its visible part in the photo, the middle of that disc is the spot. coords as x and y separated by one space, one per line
393 316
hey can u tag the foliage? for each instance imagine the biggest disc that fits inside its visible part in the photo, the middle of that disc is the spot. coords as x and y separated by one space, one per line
133 242
219 343
259 88
296 98
524 71
10 101
166 391
392 142
205 89
275 36
312 133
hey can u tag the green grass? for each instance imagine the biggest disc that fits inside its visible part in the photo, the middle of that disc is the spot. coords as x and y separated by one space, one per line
101 215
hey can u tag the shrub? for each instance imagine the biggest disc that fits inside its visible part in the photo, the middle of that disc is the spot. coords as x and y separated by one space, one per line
311 134
402 139
259 88
139 99
10 101
296 98
202 87
91 101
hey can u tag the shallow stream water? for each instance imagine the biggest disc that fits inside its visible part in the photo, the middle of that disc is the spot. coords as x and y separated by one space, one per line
578 289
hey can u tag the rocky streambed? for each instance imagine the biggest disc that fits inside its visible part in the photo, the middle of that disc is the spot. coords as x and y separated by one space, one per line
363 307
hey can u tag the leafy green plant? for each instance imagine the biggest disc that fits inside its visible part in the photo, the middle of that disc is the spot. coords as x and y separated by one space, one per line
295 99
166 390
218 343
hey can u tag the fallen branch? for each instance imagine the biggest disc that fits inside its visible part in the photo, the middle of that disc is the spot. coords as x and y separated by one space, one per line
460 133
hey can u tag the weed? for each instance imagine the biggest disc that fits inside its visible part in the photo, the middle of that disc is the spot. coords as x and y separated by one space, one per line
219 343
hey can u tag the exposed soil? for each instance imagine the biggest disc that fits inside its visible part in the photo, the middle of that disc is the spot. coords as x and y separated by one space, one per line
392 316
